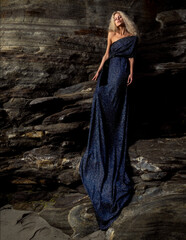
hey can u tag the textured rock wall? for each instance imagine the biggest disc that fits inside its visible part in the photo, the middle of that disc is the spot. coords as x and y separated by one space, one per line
49 52
48 45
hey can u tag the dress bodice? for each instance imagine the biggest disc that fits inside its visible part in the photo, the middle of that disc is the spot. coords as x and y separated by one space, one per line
125 47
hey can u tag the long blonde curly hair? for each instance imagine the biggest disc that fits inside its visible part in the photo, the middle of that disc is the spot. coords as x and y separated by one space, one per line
129 24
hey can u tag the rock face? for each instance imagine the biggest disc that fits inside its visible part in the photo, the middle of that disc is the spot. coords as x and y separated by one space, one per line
49 52
160 191
156 210
27 225
46 46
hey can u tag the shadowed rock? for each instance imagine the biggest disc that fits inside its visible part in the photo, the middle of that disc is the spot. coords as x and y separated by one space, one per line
50 51
26 225
78 216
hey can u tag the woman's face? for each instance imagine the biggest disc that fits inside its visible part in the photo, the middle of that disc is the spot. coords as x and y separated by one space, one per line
118 20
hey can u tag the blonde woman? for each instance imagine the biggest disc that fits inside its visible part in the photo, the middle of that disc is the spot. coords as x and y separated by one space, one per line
102 167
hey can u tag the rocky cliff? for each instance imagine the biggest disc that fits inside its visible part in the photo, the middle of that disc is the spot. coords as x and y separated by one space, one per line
49 52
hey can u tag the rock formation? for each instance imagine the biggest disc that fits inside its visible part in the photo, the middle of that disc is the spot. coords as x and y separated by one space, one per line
49 53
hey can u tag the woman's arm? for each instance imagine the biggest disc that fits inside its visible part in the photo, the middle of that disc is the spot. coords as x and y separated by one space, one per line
130 77
105 56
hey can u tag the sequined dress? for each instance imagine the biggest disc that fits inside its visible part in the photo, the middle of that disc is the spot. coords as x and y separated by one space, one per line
102 167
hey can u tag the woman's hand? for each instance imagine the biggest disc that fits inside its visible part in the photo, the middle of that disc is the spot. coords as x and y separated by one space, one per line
95 76
130 78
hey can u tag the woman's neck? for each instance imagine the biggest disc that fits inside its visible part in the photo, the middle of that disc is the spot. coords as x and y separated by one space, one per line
122 31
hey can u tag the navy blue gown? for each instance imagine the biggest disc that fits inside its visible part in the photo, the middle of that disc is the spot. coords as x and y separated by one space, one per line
102 167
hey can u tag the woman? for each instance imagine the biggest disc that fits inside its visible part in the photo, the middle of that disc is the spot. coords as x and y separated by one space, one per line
102 167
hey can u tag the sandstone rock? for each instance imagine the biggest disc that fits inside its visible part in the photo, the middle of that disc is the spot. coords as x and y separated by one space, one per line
15 107
71 114
68 176
81 88
98 235
47 103
156 155
78 216
58 128
71 161
155 214
46 157
49 54
26 225
57 215
167 18
155 201
153 176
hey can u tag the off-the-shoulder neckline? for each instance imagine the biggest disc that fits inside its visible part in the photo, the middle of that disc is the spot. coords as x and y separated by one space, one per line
122 38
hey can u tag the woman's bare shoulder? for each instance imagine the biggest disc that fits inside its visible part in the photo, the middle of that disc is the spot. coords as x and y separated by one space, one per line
111 34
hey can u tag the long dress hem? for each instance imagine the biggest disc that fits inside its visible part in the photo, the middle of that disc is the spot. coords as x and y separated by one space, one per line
102 167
